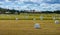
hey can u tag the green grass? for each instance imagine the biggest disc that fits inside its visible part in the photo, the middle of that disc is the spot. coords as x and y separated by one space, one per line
25 26
30 16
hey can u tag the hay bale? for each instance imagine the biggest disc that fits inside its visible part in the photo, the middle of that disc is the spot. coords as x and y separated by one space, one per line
37 26
54 18
16 18
26 17
56 21
41 17
8 15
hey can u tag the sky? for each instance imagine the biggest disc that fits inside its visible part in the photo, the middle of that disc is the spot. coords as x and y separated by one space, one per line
38 5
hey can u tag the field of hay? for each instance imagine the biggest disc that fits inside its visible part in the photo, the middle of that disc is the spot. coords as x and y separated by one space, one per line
25 16
26 27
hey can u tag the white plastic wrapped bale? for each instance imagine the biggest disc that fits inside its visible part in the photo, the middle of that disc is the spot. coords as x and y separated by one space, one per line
26 17
54 18
41 17
56 21
37 26
8 15
16 18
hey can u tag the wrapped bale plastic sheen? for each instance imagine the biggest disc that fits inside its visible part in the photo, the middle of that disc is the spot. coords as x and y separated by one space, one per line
56 22
37 26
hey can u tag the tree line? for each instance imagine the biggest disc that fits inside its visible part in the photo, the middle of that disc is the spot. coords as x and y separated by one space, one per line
13 11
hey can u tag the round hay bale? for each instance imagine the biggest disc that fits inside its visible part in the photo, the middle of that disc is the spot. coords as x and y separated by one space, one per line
41 17
37 26
26 17
16 18
8 15
54 18
56 21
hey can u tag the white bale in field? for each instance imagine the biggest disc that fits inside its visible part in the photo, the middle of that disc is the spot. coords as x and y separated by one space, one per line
37 26
41 17
56 21
16 18
54 18
26 17
8 15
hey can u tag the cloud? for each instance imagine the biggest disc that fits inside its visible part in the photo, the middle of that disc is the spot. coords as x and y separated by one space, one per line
40 5
52 1
1 3
50 7
7 0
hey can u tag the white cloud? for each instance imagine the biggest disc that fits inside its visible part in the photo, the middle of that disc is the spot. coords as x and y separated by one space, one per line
49 6
1 3
7 1
36 1
49 0
19 5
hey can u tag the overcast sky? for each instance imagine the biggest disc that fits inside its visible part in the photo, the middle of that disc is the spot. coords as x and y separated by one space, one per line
39 5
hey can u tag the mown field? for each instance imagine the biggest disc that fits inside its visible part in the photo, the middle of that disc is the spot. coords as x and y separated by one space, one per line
26 27
26 16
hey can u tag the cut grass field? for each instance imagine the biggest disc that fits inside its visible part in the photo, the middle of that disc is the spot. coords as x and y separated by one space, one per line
24 16
26 27
23 26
